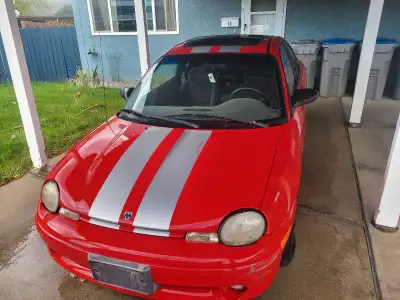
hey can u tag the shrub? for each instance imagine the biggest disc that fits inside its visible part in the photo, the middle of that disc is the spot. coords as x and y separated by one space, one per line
82 78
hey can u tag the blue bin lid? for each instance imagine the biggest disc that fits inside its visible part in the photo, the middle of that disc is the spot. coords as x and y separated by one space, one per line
338 41
383 40
306 42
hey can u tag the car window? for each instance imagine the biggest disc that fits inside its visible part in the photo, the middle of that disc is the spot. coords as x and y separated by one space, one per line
236 85
288 69
293 60
165 73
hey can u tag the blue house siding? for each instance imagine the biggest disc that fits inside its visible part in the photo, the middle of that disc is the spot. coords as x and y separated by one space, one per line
320 19
120 53
305 19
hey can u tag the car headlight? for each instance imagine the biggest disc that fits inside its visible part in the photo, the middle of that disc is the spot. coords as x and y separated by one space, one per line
51 196
242 228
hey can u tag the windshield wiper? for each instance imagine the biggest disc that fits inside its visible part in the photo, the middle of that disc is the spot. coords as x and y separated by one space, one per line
163 119
222 117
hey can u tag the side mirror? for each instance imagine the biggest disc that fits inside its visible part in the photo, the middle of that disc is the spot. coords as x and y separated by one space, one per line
125 92
305 96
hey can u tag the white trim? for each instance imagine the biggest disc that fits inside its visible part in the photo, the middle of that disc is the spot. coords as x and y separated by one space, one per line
110 15
280 16
245 26
153 11
389 207
22 83
283 26
177 17
165 13
280 20
89 5
135 33
152 32
142 30
366 57
270 12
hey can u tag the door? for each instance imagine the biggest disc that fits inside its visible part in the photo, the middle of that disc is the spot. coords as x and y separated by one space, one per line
265 17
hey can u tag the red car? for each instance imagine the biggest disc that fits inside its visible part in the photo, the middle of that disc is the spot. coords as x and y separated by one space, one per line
189 192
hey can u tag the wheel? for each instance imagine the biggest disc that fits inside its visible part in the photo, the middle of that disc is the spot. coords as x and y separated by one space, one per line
290 249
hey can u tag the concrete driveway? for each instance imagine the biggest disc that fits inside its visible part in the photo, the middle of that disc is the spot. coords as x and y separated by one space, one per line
371 144
331 260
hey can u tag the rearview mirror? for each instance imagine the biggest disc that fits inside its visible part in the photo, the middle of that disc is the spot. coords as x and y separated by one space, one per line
125 92
305 96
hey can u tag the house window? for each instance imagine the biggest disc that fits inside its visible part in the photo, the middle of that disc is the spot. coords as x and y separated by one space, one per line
118 16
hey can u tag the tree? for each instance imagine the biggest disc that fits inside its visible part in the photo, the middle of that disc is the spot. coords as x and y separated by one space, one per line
64 11
31 7
17 13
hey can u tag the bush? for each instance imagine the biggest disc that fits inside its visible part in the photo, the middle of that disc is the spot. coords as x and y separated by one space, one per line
84 79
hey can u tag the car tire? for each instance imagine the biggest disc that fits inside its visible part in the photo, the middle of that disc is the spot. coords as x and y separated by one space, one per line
289 251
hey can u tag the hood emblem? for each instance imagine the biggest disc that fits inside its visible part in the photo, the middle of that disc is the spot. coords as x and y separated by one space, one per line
127 215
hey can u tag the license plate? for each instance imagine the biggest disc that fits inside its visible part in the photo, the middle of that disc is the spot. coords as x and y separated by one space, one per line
128 275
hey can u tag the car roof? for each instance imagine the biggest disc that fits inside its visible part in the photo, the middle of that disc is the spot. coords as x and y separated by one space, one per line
224 44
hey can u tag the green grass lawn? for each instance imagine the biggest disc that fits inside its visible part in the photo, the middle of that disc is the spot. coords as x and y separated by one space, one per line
59 106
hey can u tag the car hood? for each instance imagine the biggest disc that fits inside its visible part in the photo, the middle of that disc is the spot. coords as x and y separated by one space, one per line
163 180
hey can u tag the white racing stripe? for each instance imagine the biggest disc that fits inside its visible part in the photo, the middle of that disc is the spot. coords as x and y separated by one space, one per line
151 232
201 49
158 205
104 223
113 194
230 49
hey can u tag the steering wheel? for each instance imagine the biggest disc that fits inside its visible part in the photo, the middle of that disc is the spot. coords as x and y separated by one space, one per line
247 89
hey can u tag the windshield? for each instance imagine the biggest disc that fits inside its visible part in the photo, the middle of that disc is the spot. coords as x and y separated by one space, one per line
197 86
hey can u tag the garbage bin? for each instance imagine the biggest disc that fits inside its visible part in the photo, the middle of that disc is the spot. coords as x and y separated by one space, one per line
395 72
307 52
380 68
335 66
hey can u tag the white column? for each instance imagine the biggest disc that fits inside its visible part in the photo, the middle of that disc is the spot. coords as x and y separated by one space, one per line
22 82
143 41
280 18
367 54
389 208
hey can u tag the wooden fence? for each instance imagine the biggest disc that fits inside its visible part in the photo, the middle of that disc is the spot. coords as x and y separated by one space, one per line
52 54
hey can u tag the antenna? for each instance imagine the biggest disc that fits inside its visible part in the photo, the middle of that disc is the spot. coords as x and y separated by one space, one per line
105 106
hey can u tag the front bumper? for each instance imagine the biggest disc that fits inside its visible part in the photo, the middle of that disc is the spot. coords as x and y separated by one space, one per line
182 270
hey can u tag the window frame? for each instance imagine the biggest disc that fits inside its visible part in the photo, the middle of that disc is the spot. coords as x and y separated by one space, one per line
290 93
282 119
293 61
132 33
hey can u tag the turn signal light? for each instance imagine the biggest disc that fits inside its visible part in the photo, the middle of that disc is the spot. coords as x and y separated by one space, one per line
69 214
200 237
238 287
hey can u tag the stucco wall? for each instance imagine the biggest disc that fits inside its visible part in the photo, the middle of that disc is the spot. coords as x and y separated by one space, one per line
305 19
